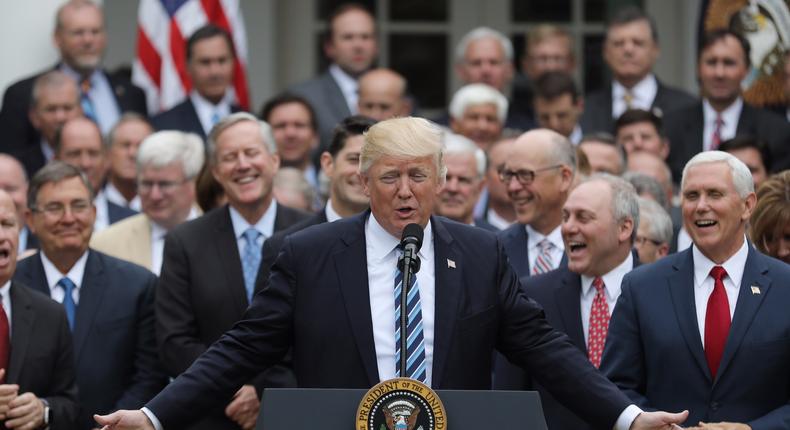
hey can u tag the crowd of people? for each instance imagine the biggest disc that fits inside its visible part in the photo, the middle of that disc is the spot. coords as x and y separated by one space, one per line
621 252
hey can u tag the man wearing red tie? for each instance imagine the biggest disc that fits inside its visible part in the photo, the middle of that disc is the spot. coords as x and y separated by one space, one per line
707 328
599 223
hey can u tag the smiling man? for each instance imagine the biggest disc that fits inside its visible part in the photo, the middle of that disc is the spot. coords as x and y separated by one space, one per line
716 306
466 167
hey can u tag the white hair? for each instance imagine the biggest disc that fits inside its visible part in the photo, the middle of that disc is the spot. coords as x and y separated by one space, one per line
478 94
170 146
483 33
624 199
455 144
741 175
232 119
659 223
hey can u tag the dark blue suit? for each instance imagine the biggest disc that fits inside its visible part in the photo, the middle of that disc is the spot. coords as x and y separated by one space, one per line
654 351
183 117
515 239
114 343
317 302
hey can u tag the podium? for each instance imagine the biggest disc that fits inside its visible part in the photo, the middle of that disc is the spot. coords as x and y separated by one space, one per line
335 409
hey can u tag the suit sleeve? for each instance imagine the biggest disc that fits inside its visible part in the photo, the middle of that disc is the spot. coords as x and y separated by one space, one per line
623 359
259 340
527 339
148 377
62 396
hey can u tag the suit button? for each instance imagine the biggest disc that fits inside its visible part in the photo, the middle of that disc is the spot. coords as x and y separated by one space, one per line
714 406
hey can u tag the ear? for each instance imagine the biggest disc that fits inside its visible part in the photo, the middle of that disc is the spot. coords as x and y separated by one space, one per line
276 161
566 175
749 203
29 221
327 164
663 250
664 151
365 183
626 228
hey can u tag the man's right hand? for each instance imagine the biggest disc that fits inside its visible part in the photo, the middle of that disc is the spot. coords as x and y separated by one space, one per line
8 392
124 420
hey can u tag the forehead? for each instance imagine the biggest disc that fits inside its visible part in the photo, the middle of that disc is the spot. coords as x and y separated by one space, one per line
751 155
242 134
353 20
593 196
289 111
726 46
461 163
65 189
51 94
713 175
132 127
81 135
353 144
634 29
11 172
563 101
529 152
172 170
487 47
552 44
75 16
643 127
387 163
214 45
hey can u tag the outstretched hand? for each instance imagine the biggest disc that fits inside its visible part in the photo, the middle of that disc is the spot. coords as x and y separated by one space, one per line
124 420
659 420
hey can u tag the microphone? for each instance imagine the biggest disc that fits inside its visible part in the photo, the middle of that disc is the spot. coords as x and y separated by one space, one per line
409 265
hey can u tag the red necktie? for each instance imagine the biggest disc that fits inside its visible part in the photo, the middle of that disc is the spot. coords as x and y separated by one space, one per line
599 323
5 341
717 321
716 139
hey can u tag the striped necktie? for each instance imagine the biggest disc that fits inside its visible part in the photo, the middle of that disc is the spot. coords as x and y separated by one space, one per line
415 344
543 262
85 100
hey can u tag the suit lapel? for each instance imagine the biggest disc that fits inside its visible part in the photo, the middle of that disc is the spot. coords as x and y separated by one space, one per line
448 286
228 252
335 96
747 121
681 289
747 305
22 319
354 287
92 290
569 304
517 249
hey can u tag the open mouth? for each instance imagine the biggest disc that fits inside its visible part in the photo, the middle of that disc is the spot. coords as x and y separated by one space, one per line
405 212
576 247
246 179
705 223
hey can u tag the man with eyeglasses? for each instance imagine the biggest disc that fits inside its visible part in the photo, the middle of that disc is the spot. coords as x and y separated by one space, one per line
168 163
108 302
654 234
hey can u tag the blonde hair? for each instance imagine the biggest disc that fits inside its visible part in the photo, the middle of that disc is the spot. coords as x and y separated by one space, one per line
403 138
771 213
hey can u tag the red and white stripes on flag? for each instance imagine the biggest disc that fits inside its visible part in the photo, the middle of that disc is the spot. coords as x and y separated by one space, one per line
163 27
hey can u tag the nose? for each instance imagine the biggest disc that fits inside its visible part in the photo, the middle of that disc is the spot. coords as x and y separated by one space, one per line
404 187
512 185
451 184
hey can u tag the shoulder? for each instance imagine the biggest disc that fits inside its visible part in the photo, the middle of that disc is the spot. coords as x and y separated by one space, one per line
676 93
291 216
131 273
26 265
314 86
655 272
513 232
598 96
544 284
173 112
202 225
23 87
36 299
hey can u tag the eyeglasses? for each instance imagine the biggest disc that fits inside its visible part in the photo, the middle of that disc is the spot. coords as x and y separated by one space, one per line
640 240
145 186
523 176
57 210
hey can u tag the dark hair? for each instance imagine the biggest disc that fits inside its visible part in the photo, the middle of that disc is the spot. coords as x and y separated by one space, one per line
631 14
284 99
54 171
341 10
634 116
207 32
554 84
748 141
714 36
207 190
354 125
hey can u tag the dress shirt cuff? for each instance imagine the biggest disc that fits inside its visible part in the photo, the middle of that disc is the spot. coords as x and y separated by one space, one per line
623 422
158 426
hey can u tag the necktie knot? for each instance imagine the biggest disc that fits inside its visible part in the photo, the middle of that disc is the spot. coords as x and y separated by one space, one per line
85 85
718 273
598 285
67 285
251 236
545 245
628 98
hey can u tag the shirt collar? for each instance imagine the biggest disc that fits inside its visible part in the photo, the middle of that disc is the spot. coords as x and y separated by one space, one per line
576 135
730 115
381 243
612 281
205 109
346 83
159 232
54 275
644 92
331 214
265 225
73 74
114 195
734 265
5 289
555 237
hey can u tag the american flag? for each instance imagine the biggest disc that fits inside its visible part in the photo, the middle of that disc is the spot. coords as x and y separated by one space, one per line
163 27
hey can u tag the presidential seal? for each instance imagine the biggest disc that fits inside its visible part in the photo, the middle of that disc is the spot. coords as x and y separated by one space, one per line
401 404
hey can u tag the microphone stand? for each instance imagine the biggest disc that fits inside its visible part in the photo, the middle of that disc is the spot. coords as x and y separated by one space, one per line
409 264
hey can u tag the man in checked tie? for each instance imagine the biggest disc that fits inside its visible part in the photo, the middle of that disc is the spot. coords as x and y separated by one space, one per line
599 224
330 298
707 328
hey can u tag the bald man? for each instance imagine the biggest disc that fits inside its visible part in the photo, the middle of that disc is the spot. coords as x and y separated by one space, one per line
382 95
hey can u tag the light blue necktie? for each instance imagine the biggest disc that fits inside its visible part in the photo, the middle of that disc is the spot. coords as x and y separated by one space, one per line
251 259
415 344
85 100
68 300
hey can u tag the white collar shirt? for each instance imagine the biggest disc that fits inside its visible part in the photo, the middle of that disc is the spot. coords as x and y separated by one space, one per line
114 195
265 226
207 112
54 276
348 86
533 246
612 285
643 94
729 116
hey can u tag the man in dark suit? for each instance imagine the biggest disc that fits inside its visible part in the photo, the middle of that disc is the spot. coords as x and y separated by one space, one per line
599 225
210 264
80 38
538 173
558 105
351 46
630 50
723 114
37 387
331 280
210 67
109 302
707 328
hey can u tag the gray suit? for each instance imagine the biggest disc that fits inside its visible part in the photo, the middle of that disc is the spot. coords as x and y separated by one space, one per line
328 102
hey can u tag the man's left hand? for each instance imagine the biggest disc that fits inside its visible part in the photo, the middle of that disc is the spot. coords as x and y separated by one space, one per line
720 426
244 407
659 420
26 411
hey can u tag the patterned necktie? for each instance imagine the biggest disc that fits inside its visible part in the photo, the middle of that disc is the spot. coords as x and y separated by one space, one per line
5 341
215 118
717 321
85 100
599 323
543 263
715 140
251 259
68 299
628 98
415 344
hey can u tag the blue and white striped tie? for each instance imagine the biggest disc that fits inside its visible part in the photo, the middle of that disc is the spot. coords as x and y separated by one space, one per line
415 342
543 263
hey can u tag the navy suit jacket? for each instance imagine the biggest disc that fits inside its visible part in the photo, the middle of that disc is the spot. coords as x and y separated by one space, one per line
183 117
655 354
117 212
317 302
114 344
514 239
42 355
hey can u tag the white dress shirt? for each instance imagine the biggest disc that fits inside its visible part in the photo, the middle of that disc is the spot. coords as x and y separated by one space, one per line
612 282
206 110
331 214
348 86
533 249
158 234
46 149
101 95
112 194
102 220
728 129
5 292
382 260
265 226
643 94
497 221
704 283
54 276
576 135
